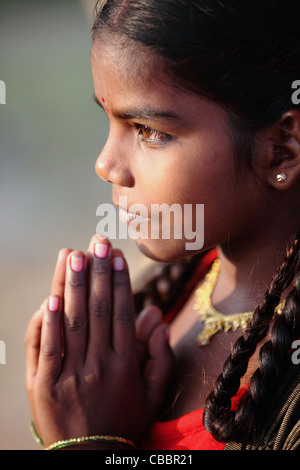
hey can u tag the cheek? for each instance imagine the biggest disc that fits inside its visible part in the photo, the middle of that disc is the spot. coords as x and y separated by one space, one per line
165 176
194 183
198 170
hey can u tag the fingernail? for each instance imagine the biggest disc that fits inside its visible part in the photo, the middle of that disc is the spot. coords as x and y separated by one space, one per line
53 304
77 263
118 263
101 250
100 236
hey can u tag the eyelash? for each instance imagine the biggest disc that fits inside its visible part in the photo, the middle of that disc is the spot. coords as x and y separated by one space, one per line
160 139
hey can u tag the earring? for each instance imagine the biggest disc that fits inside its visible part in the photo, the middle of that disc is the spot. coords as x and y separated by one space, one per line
281 177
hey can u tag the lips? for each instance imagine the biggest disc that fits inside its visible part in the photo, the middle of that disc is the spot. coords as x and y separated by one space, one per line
130 217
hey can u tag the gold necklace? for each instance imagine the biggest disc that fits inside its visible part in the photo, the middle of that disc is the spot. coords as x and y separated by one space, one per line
213 320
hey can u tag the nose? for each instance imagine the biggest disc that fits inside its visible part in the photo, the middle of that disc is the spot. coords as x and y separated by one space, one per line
113 163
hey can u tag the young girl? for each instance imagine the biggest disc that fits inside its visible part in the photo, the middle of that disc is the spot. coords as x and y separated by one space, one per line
199 96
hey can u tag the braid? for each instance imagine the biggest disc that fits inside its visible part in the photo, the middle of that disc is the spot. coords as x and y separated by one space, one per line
225 424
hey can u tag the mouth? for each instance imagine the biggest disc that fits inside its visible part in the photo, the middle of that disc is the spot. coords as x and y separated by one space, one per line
138 214
127 217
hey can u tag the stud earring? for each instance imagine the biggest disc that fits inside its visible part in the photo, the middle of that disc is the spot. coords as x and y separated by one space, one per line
281 177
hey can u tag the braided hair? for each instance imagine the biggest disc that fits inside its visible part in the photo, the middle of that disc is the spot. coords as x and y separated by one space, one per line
274 358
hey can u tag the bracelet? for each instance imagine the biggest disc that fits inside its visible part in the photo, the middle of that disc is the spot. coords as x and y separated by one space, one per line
34 432
77 440
80 440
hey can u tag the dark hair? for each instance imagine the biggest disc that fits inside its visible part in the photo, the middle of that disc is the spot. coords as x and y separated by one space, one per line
243 55
274 358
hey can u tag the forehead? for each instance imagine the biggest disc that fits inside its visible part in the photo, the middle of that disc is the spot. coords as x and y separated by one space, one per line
128 57
129 76
130 71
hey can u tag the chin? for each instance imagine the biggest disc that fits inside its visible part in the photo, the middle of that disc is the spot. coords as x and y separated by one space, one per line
165 251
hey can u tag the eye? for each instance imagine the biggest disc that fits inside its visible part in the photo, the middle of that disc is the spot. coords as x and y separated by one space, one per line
151 136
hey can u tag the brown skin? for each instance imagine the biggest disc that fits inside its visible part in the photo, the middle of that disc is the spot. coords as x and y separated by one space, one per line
249 217
103 352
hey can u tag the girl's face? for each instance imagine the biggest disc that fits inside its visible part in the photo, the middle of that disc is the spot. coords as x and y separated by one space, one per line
170 146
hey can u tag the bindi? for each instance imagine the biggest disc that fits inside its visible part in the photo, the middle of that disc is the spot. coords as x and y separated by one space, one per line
105 107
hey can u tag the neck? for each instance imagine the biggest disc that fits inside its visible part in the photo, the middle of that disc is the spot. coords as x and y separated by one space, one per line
246 272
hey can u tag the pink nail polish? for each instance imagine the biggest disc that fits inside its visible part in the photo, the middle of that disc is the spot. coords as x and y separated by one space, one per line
53 304
101 250
77 263
118 263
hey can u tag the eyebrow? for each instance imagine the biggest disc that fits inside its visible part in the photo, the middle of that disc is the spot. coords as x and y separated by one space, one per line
144 114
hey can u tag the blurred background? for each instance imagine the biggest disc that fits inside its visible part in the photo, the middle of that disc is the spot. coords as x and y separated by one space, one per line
51 133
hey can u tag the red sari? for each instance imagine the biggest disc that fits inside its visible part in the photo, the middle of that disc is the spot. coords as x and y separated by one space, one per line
185 433
188 431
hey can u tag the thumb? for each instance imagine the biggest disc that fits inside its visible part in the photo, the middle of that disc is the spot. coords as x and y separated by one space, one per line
147 321
159 368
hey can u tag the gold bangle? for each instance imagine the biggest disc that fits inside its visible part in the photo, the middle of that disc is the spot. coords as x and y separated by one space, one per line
80 440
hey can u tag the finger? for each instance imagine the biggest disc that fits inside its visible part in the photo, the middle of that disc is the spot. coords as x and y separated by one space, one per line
100 298
124 338
75 311
32 352
159 368
96 238
149 318
146 322
32 345
58 280
50 357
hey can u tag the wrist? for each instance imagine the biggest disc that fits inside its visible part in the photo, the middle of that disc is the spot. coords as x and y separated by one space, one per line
99 445
104 442
100 442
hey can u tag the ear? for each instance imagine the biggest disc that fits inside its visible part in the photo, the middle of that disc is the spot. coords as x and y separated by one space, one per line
278 152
